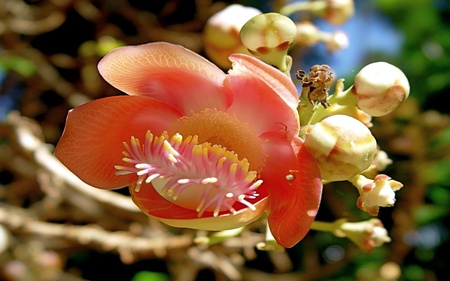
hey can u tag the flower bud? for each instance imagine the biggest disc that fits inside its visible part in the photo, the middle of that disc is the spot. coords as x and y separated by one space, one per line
268 37
380 88
336 41
334 11
366 234
379 192
306 34
379 163
342 146
339 11
221 34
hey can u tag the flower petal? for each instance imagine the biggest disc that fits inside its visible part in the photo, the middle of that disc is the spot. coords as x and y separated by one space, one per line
156 206
92 142
244 65
167 72
295 188
258 104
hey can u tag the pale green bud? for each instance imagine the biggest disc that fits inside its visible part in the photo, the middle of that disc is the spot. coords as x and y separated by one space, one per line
268 37
306 34
380 88
366 234
339 11
334 11
342 146
221 34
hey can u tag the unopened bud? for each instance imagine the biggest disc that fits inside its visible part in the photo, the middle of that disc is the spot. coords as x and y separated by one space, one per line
339 11
221 35
379 163
379 192
342 146
380 88
268 37
336 41
366 234
306 34
334 11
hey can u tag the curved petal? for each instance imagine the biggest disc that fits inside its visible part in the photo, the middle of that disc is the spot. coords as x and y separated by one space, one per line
92 141
244 65
166 72
154 205
295 188
258 105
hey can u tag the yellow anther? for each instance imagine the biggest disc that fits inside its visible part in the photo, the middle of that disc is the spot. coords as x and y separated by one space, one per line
233 167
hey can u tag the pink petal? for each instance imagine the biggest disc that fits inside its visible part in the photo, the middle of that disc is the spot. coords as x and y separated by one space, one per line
156 206
295 188
166 72
92 142
244 65
258 105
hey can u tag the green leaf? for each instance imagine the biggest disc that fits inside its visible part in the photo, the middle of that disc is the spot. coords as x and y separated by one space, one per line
428 213
19 64
150 276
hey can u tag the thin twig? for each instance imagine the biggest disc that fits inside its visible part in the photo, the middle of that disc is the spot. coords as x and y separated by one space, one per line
130 247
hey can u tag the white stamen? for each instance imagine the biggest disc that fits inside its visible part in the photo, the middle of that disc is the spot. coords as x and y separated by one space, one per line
209 174
183 181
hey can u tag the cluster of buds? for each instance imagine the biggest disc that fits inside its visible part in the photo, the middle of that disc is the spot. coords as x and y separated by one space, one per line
336 127
336 130
241 29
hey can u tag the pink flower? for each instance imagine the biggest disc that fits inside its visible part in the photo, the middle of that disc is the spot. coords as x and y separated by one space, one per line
198 148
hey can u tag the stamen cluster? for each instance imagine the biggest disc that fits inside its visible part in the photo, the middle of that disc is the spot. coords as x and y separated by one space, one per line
180 164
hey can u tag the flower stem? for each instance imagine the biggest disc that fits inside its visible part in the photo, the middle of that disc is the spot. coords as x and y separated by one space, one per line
303 6
325 226
270 244
341 96
359 181
218 236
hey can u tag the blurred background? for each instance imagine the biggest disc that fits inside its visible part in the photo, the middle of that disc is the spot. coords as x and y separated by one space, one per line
51 228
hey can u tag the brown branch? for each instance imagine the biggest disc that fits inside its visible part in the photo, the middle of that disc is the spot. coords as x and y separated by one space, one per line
40 152
128 246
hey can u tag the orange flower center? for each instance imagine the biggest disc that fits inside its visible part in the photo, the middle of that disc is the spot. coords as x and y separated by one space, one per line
200 176
221 128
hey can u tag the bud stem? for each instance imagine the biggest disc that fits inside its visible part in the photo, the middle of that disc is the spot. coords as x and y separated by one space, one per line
270 244
311 114
326 226
218 237
294 7
359 181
